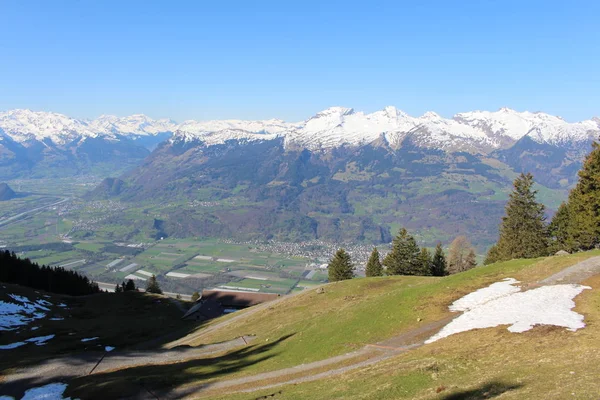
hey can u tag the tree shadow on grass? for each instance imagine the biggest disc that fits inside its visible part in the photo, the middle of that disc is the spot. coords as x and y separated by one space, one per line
160 380
488 390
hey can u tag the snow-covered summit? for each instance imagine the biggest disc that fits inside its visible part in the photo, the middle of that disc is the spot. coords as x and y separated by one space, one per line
137 124
541 127
25 125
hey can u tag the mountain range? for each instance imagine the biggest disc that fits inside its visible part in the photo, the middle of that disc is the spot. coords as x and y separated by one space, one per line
340 175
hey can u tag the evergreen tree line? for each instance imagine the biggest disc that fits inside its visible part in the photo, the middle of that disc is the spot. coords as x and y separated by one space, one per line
128 286
151 287
24 272
406 258
524 232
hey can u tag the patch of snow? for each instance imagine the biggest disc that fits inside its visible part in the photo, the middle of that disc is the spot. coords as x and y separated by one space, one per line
20 313
12 345
20 299
57 319
7 398
500 304
62 305
40 340
51 391
484 295
90 339
108 348
35 328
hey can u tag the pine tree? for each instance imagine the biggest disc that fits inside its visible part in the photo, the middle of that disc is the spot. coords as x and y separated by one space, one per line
404 257
118 288
523 232
425 261
458 255
129 286
559 230
438 264
340 267
374 267
492 255
153 286
584 203
195 296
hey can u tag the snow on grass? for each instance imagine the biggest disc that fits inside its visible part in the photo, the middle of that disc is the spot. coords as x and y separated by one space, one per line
20 312
40 340
484 295
51 391
90 339
12 345
108 348
57 319
504 304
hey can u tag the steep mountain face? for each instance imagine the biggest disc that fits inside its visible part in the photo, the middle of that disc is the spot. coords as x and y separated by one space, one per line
49 144
344 175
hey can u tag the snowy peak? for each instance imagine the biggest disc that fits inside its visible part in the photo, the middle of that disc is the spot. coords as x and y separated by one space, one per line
26 125
137 124
509 124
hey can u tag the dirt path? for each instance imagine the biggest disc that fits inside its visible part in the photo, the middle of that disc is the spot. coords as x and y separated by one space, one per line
368 355
576 273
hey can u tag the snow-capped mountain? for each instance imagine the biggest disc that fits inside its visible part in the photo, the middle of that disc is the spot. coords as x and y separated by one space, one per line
25 125
540 127
134 125
477 131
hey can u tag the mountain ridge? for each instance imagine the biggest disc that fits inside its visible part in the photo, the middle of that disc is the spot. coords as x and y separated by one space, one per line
473 131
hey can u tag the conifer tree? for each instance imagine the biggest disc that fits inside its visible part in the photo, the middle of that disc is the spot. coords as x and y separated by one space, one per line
195 296
374 267
492 255
584 203
404 257
129 286
425 261
340 267
153 286
523 232
118 288
559 230
438 264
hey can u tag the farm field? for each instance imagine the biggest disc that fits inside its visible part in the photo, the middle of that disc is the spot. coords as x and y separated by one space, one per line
95 238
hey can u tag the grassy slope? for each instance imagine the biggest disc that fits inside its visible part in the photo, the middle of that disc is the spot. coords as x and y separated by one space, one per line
543 363
354 313
310 327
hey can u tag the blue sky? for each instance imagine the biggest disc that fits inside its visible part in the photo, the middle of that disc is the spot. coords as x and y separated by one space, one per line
265 59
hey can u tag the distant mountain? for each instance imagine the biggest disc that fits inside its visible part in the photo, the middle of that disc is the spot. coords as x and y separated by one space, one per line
37 144
6 193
